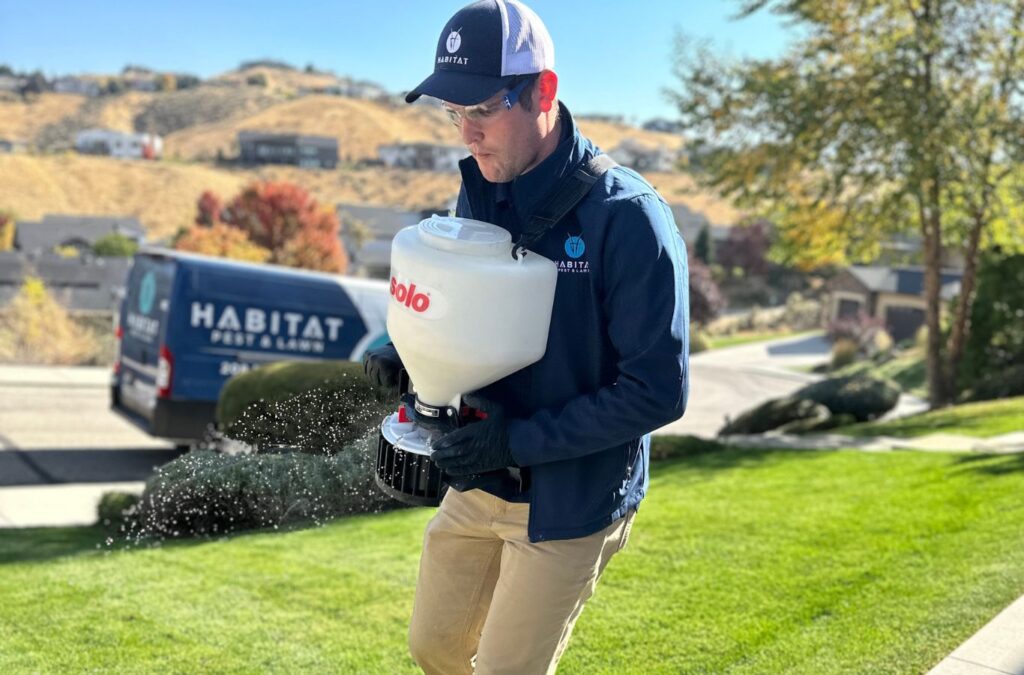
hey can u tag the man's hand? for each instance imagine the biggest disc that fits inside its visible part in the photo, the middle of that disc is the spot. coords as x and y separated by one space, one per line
382 366
478 447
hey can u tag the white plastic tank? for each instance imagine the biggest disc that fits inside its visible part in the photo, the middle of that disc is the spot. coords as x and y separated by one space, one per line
463 312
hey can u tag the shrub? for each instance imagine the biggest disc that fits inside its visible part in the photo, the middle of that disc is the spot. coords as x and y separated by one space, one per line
863 397
844 352
706 301
860 328
116 510
808 426
115 244
996 341
205 493
700 341
1005 384
675 447
802 313
774 414
316 407
35 328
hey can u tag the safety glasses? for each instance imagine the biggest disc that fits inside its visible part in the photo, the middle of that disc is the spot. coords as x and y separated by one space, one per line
484 112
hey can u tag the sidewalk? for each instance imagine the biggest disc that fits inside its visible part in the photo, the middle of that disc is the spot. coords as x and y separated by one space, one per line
996 649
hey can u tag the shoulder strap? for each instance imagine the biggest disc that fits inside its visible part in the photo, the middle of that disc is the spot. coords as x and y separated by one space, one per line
573 188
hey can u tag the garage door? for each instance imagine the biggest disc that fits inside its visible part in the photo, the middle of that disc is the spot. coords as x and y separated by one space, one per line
903 322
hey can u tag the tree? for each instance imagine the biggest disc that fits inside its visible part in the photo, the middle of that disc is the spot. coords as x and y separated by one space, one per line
704 247
884 115
208 209
278 218
166 82
223 241
706 301
746 248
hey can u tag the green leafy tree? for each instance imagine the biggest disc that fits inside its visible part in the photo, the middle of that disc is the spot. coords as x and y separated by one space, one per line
704 247
884 115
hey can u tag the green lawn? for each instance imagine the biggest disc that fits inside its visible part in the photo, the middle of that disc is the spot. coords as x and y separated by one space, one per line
740 562
982 420
738 339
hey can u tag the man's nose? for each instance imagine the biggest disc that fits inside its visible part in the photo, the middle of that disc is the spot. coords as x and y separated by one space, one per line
470 132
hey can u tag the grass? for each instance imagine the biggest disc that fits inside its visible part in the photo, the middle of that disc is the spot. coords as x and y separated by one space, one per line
744 338
907 370
740 562
980 420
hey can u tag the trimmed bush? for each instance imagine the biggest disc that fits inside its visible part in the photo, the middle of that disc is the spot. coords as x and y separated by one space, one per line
676 447
863 397
1005 384
699 340
205 493
314 407
774 414
814 426
844 352
117 509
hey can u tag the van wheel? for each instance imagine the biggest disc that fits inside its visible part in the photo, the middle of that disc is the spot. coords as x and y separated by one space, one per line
183 447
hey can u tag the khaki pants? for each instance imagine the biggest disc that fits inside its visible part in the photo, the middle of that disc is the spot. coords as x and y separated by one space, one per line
484 590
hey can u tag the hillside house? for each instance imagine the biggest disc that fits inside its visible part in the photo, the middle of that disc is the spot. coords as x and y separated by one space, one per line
80 232
893 294
12 84
423 156
119 144
640 157
76 85
8 145
371 257
82 285
311 152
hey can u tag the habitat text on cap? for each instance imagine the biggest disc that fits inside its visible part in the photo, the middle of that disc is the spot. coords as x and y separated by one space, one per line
482 48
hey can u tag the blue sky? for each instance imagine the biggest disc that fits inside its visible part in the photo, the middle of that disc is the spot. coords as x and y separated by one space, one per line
611 57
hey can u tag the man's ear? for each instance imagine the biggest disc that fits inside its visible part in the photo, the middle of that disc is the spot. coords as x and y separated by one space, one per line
547 89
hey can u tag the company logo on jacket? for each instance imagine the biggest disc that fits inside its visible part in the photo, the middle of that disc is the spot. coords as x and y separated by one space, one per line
575 247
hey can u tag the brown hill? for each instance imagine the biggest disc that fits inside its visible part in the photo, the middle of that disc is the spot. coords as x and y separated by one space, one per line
163 194
360 126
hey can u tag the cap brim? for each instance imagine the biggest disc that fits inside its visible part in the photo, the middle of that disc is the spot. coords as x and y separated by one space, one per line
459 88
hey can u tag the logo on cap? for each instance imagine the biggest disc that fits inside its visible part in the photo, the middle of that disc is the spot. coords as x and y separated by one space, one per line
454 41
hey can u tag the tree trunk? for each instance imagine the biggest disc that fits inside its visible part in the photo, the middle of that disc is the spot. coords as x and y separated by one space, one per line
931 231
962 321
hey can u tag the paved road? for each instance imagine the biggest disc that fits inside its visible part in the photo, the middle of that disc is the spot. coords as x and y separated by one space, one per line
61 447
727 382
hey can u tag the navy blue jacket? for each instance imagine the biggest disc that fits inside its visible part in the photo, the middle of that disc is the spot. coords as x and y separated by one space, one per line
616 364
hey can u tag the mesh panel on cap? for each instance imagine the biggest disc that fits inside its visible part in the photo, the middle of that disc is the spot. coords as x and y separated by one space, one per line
528 47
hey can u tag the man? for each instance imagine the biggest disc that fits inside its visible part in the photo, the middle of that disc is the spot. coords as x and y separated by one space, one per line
546 487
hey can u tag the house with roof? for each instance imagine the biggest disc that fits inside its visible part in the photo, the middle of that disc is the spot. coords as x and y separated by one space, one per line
83 285
423 156
119 144
76 85
893 294
80 232
311 152
370 251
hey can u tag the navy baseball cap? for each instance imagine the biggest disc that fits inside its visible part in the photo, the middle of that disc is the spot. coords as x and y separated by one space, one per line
481 50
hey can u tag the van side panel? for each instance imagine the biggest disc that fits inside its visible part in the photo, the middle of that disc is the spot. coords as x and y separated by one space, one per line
225 321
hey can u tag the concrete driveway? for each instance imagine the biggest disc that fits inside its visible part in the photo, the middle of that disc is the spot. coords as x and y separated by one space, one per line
727 382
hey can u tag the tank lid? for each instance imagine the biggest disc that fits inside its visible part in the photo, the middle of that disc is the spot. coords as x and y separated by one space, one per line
465 236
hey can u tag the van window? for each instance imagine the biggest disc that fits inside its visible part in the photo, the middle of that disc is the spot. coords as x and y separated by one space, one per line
146 301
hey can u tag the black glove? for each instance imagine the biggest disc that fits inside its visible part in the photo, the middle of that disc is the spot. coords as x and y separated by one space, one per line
478 447
382 366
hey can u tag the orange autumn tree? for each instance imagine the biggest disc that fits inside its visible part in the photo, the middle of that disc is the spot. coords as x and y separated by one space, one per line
277 220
